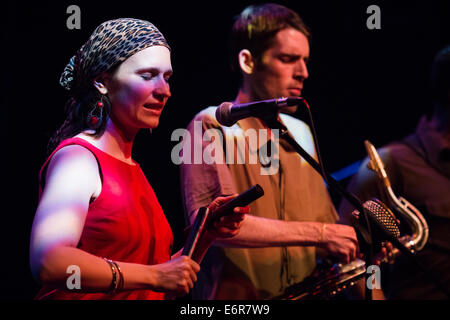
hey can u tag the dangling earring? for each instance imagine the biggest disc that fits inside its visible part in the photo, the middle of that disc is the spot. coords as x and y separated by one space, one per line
95 116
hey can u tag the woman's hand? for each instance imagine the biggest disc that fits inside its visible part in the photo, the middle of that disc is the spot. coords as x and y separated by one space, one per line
175 276
227 226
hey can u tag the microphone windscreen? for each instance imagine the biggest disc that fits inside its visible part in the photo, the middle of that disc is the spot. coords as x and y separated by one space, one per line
383 225
383 215
223 114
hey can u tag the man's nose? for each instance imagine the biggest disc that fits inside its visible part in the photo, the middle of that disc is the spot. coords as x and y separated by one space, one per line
301 70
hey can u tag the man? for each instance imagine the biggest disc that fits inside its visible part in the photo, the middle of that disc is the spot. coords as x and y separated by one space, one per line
419 170
276 246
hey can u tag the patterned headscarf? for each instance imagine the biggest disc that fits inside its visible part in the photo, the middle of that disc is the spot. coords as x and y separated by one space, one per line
112 42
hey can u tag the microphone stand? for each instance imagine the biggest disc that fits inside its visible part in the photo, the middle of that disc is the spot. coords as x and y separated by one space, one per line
274 123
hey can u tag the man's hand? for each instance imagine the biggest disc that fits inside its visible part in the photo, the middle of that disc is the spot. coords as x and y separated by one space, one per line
385 254
227 226
339 241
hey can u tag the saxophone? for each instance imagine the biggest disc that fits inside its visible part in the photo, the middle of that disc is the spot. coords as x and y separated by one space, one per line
329 279
412 216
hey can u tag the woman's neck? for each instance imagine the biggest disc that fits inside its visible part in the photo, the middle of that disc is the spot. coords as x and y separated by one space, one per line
114 142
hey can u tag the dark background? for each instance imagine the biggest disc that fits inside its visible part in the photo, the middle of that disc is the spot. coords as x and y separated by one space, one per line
364 84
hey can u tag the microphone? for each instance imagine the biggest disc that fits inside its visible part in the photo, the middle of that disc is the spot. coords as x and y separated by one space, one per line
383 224
379 212
242 200
205 217
228 114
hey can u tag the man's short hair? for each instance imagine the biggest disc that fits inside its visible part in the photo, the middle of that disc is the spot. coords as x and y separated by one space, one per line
256 26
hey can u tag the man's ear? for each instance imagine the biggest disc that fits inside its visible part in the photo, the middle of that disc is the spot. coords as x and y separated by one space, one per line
99 83
246 62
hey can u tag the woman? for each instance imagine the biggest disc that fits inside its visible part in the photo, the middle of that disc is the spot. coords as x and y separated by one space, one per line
97 212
